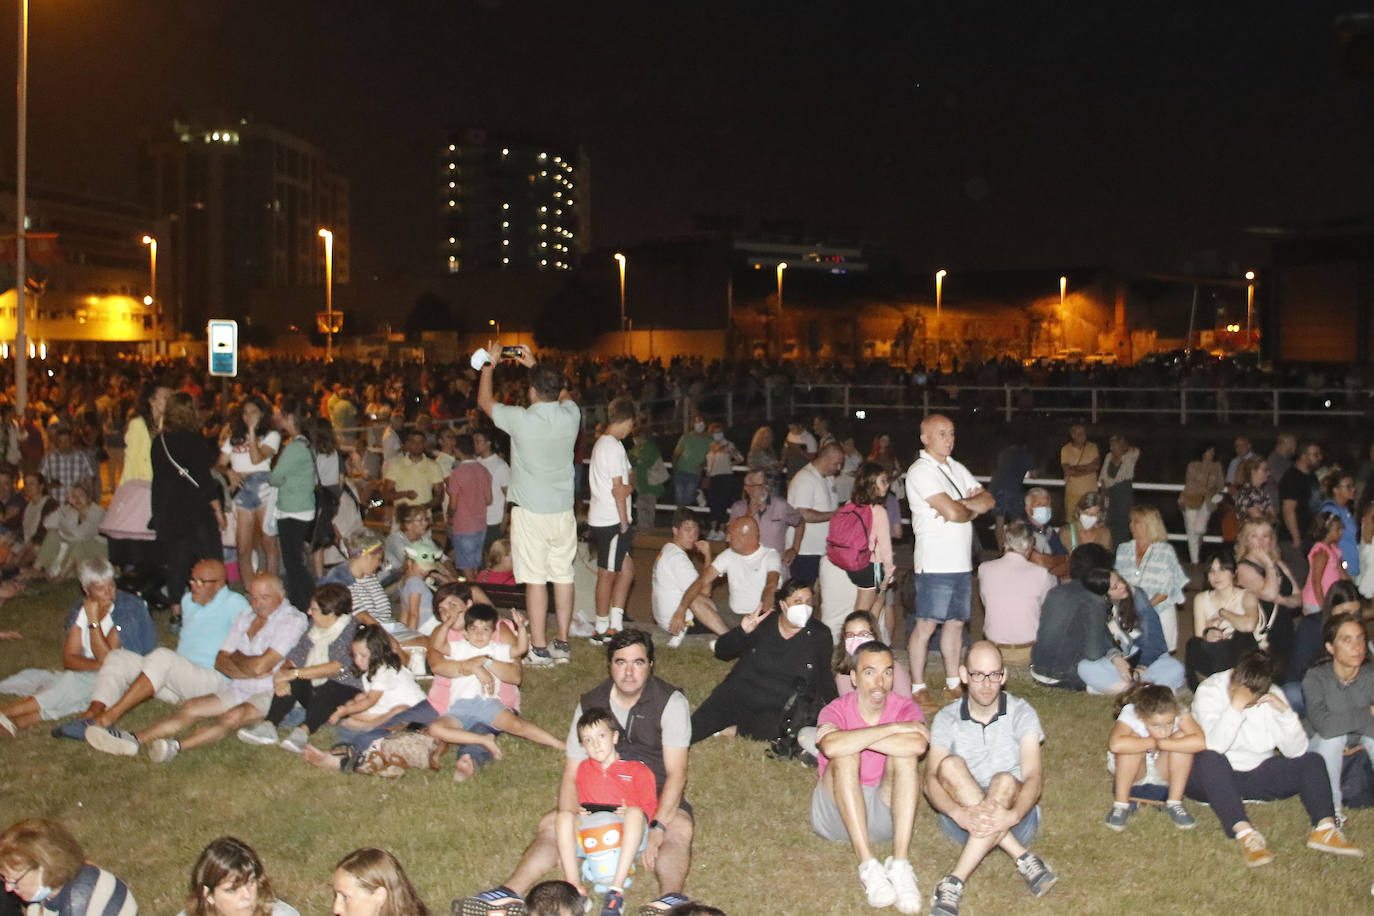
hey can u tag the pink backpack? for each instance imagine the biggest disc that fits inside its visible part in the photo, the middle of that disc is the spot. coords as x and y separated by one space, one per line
847 543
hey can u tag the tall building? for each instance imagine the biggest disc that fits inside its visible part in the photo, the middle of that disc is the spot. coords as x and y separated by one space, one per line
243 203
508 203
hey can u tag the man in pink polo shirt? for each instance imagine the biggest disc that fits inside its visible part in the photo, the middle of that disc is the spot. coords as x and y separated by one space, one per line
869 742
1012 589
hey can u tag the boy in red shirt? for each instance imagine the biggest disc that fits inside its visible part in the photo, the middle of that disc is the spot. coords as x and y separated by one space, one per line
605 781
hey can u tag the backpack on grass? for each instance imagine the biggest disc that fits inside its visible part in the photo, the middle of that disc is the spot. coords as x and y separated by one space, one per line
847 544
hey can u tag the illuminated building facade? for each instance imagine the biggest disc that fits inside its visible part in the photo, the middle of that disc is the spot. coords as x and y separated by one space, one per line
509 203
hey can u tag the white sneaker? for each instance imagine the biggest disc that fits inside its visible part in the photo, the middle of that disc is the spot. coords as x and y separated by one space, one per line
876 884
295 742
262 734
163 750
676 641
903 878
538 658
8 725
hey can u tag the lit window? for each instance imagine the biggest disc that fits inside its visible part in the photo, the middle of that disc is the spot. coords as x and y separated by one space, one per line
505 152
451 147
453 184
451 240
452 166
505 206
543 156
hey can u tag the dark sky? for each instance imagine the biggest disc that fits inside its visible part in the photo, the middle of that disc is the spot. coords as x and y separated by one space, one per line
967 134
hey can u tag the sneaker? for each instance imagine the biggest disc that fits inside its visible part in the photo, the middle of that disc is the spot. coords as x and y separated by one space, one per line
1118 816
879 889
614 904
8 725
903 878
1180 816
295 742
262 734
676 639
163 750
538 658
1039 879
499 901
711 647
560 652
1330 839
1253 848
948 893
75 730
111 740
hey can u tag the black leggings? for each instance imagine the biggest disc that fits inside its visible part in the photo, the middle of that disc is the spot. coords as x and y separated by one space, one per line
300 584
1213 781
319 702
731 705
182 549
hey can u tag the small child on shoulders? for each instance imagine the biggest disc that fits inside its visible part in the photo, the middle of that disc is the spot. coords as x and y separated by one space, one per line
1151 749
388 687
498 569
616 801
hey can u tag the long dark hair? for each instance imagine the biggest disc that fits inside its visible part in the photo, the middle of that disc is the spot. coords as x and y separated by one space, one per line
379 651
320 432
238 427
227 858
1125 609
866 484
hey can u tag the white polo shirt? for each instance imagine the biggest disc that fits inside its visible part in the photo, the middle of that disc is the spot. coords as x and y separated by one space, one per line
810 490
942 546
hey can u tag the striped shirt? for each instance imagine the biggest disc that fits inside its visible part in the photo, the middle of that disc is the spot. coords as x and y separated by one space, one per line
93 892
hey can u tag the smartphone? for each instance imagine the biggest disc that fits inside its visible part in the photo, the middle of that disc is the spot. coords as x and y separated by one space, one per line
512 352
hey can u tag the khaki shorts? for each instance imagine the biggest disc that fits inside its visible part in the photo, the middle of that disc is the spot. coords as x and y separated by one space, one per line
229 698
542 546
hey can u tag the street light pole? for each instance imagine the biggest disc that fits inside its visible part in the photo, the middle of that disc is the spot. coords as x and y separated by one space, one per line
782 265
1249 307
21 345
939 285
620 259
152 266
328 294
1063 315
493 323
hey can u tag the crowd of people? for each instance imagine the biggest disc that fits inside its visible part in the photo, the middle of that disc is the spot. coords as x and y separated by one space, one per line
379 539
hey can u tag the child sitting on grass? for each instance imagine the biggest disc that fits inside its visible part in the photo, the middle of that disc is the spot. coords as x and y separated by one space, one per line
624 793
498 569
388 688
476 667
1153 742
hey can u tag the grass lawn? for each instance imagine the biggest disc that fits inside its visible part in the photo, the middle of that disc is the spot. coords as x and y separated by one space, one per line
754 853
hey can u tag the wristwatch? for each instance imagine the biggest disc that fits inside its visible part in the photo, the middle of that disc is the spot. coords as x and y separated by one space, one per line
655 824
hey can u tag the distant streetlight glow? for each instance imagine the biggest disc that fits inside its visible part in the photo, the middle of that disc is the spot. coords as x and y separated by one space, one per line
493 323
328 294
620 259
939 286
1063 312
152 268
1249 306
782 265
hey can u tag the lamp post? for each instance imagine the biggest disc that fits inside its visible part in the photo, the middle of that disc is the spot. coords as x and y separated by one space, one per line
1249 306
1063 313
620 260
939 285
152 266
782 265
496 325
328 294
21 347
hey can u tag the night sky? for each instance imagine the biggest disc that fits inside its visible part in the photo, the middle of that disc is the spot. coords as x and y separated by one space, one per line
965 134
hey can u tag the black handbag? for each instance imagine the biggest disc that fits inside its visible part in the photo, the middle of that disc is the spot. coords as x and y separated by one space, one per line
797 713
322 532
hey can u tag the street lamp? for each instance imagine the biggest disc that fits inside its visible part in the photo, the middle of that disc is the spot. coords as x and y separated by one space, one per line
152 267
620 259
493 323
1063 326
21 349
782 265
1249 306
328 294
939 285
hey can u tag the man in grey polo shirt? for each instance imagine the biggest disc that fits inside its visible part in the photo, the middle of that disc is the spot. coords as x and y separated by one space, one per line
543 532
983 777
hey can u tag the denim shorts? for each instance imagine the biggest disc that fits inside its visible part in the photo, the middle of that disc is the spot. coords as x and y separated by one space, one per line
1024 830
249 496
944 596
476 711
467 549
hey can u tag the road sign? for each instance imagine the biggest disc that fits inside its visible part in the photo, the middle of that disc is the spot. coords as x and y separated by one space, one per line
224 346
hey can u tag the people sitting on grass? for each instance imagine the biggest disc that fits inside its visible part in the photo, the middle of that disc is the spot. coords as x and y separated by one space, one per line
497 566
784 655
45 866
555 898
753 570
1136 650
388 687
317 675
1073 620
370 882
370 602
984 777
416 595
860 628
229 879
1013 589
73 535
870 741
412 530
1257 749
1150 749
105 620
675 573
1339 690
632 693
1341 598
1225 619
602 830
127 679
255 648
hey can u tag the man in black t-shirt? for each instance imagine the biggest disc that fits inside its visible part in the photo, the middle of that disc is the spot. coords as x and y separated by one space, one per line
1300 495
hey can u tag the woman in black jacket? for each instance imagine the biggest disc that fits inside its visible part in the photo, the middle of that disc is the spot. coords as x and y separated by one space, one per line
187 514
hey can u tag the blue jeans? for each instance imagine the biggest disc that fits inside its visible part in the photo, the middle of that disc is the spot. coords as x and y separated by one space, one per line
1332 752
1101 675
1023 831
685 486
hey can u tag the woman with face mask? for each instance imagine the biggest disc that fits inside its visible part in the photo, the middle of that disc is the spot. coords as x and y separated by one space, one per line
859 629
782 651
1085 525
44 865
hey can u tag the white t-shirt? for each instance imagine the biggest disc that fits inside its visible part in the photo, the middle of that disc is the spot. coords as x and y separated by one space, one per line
500 481
327 466
469 686
748 575
942 546
398 688
809 490
240 460
106 625
608 463
674 573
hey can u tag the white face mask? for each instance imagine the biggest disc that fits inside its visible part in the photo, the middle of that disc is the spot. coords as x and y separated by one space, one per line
1087 521
1041 515
719 437
798 614
700 427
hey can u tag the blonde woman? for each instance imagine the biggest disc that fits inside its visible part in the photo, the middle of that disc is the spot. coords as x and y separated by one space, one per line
1261 573
1149 563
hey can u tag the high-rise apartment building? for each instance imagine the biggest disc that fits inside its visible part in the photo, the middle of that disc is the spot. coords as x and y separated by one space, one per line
243 203
508 203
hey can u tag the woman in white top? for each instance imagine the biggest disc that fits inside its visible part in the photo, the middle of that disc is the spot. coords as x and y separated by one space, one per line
1225 619
246 460
228 879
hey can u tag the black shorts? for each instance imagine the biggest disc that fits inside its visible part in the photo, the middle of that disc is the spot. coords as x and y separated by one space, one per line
868 577
612 545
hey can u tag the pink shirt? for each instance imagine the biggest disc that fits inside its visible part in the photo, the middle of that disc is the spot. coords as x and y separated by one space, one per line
1330 575
1012 589
844 713
469 494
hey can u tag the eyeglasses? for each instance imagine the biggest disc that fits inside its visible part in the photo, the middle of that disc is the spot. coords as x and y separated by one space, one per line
13 883
980 677
196 580
859 633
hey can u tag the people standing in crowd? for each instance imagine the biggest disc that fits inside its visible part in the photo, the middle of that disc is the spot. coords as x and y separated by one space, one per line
1015 462
1080 461
413 478
469 487
66 466
689 459
330 468
1300 496
1147 561
761 455
1244 452
1324 566
500 484
944 499
293 477
609 515
246 462
1116 480
719 479
1339 489
543 529
1253 498
812 493
1202 492
860 539
646 460
1280 460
